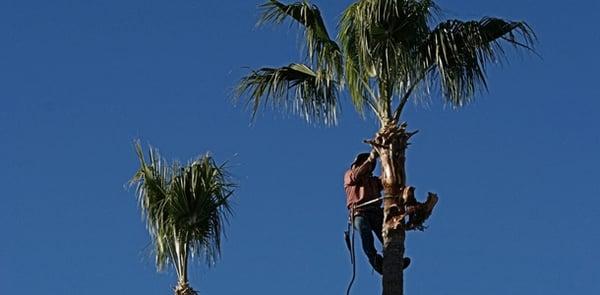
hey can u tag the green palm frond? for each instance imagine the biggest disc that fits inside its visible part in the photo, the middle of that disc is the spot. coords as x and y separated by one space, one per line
379 40
356 69
323 52
294 88
152 189
185 207
458 52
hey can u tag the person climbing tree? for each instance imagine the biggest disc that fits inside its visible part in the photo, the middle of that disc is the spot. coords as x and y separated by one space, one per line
363 192
363 200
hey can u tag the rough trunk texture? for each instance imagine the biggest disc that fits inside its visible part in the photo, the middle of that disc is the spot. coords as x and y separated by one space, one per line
391 142
393 248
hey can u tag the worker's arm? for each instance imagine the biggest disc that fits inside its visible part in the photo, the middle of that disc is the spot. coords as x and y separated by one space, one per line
358 172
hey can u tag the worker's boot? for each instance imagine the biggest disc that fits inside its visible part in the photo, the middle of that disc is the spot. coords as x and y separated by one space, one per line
377 263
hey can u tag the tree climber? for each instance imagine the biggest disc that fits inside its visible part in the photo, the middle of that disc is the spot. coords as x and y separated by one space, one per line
362 187
363 199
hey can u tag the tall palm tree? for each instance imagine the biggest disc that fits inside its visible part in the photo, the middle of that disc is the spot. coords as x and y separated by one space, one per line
386 52
185 208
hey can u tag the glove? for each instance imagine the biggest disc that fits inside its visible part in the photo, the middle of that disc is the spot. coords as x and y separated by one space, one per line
374 155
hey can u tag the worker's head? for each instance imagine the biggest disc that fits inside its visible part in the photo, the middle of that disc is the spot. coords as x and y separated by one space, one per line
360 159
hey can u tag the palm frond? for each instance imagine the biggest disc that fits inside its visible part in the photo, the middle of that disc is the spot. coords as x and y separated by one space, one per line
458 53
294 88
323 52
152 189
356 69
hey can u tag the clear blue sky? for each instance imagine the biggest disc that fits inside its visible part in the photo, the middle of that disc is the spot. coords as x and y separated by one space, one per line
517 171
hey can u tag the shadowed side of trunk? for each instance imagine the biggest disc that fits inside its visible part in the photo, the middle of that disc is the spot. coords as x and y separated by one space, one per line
393 247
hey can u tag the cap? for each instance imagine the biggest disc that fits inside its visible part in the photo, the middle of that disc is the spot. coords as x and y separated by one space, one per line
360 158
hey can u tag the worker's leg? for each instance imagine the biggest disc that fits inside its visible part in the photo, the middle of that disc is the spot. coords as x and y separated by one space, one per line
376 220
362 225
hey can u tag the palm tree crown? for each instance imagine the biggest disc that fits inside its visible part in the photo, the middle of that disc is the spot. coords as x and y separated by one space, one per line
385 50
185 208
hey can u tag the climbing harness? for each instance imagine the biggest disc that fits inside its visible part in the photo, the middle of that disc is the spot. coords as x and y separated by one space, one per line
369 203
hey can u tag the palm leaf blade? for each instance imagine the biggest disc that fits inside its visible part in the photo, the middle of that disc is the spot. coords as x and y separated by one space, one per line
294 88
323 52
457 52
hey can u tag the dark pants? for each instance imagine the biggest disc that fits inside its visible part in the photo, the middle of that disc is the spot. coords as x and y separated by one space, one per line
366 223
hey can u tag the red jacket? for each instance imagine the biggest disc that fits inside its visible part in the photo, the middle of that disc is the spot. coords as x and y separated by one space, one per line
361 186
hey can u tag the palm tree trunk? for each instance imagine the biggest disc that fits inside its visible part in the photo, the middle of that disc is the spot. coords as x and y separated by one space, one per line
391 142
181 251
393 247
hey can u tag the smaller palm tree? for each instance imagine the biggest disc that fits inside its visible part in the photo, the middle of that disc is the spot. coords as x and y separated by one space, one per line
185 208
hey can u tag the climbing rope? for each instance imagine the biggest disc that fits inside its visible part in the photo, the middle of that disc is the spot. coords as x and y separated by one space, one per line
350 244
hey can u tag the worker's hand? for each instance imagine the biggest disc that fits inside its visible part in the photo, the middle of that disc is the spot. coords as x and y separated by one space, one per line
374 155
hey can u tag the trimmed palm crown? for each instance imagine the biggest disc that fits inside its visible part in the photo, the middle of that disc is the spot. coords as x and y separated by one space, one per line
385 49
185 208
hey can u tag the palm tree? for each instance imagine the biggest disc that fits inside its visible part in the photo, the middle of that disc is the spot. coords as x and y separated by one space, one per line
386 53
185 208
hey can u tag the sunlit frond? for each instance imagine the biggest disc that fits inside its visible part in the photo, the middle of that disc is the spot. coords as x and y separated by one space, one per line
323 52
458 53
294 88
152 188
